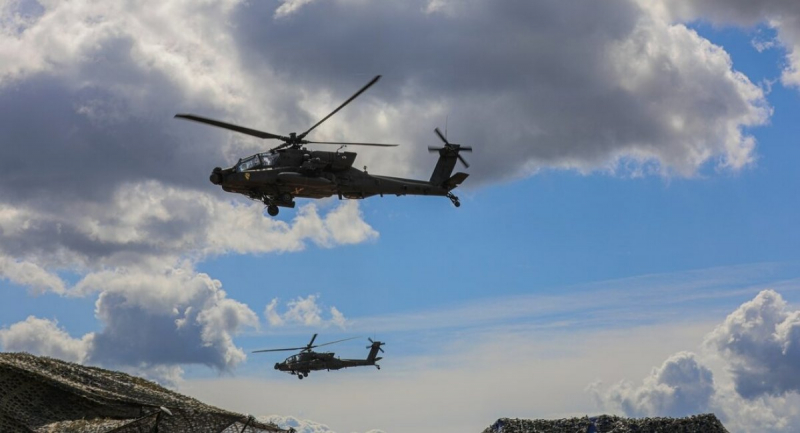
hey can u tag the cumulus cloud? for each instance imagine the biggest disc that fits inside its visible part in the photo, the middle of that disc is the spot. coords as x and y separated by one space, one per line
44 337
152 322
754 387
761 340
622 90
30 275
303 312
783 16
166 318
151 220
679 387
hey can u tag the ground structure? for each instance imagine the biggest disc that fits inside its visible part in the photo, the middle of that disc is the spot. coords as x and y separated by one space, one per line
46 395
707 423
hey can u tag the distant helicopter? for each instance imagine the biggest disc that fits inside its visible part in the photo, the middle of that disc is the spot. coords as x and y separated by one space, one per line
290 170
307 360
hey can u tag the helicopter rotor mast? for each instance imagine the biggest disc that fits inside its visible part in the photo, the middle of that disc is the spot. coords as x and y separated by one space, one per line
293 139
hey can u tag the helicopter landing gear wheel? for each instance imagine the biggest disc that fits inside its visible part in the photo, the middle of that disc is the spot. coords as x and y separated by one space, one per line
299 376
272 210
454 199
305 374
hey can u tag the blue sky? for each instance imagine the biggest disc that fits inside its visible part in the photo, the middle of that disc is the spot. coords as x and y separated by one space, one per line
587 230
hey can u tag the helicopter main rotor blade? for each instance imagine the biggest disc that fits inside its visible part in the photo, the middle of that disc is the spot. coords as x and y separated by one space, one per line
278 350
363 89
232 127
352 144
337 341
311 343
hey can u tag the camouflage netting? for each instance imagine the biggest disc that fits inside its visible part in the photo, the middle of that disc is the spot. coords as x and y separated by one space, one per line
610 424
39 394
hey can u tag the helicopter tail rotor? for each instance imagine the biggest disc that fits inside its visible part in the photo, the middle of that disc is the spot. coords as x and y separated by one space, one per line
449 154
374 348
450 149
377 344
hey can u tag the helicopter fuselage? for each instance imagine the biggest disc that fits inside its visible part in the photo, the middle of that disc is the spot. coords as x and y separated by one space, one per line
307 361
277 177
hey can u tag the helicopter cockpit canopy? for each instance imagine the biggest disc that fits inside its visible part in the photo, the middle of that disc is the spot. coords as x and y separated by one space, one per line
292 359
257 161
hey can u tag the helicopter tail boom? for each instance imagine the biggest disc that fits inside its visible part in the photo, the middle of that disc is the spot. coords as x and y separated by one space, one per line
444 168
448 155
373 351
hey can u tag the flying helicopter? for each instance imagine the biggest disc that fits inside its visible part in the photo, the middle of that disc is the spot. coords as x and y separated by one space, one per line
308 360
290 170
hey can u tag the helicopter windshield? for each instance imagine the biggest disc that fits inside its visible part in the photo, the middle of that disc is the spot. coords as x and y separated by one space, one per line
248 163
269 159
261 160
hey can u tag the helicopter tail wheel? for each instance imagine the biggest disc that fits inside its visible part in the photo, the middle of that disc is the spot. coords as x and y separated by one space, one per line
454 199
272 210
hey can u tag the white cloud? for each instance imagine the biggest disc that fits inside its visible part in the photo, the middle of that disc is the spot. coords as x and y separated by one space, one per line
289 7
166 317
153 223
303 312
783 16
153 320
680 387
754 387
44 337
31 275
761 341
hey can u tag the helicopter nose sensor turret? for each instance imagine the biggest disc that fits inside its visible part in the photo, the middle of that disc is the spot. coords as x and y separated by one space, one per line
216 176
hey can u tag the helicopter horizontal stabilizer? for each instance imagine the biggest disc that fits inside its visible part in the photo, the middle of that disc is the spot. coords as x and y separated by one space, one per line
455 180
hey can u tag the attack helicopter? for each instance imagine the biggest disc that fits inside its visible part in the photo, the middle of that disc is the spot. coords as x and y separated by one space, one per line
307 360
290 170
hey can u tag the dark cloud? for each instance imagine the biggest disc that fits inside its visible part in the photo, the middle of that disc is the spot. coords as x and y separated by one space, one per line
63 144
530 84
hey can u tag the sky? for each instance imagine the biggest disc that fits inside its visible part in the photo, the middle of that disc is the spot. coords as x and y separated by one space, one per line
627 240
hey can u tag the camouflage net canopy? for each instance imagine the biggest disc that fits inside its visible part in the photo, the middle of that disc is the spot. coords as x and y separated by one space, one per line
46 395
707 423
